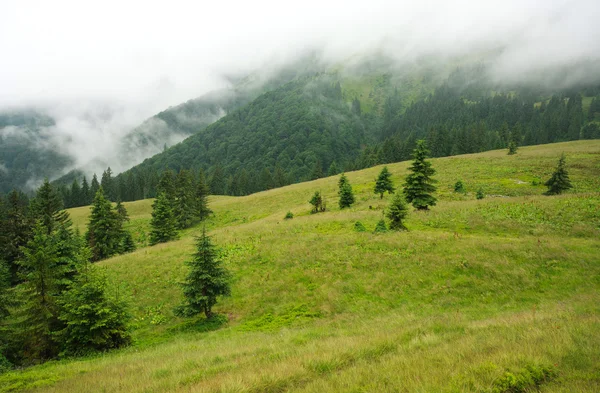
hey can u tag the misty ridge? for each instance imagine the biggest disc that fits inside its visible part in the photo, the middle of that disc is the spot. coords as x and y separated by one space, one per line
550 48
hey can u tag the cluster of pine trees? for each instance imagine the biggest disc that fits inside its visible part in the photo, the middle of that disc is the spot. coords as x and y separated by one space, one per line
53 302
182 201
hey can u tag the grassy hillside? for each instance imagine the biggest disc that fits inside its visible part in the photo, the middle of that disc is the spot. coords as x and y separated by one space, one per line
478 295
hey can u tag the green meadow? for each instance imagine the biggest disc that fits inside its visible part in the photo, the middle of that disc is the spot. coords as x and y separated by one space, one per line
494 295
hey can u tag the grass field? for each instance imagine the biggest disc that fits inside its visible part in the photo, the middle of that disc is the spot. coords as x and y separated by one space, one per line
491 295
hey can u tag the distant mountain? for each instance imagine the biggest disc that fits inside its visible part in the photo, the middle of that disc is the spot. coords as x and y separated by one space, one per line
28 153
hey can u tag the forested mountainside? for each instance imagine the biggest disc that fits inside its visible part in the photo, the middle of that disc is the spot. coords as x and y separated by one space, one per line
316 126
27 150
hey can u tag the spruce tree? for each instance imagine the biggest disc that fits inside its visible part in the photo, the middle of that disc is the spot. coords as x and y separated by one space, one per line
185 206
397 212
559 181
108 184
166 185
318 203
202 192
15 231
206 280
345 192
163 223
333 169
317 171
76 199
42 275
93 318
419 184
103 235
218 182
384 183
47 207
86 198
93 188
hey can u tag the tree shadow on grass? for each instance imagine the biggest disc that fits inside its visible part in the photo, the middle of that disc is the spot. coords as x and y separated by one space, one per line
200 325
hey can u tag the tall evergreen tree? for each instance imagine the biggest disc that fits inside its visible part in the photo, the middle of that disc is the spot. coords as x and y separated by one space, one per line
103 234
107 183
37 316
419 187
559 181
15 231
202 192
166 185
93 318
384 183
345 192
218 182
163 222
317 171
47 207
207 279
397 212
185 205
86 198
76 199
333 169
94 186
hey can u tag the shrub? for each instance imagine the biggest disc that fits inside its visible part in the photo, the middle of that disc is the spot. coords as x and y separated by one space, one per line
459 187
480 194
288 216
380 227
359 227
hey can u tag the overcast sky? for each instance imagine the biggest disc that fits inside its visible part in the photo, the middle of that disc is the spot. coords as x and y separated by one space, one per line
131 51
101 68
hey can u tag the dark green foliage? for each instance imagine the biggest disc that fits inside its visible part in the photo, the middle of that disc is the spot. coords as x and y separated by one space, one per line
288 216
47 207
104 234
36 319
359 227
86 196
15 230
202 192
108 184
218 185
121 212
345 192
127 243
206 280
333 169
459 187
94 319
185 204
94 187
397 212
559 181
384 183
380 227
480 194
318 203
163 222
512 148
166 185
419 187
317 171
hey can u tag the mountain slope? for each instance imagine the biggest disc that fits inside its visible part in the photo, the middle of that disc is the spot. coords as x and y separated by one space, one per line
477 287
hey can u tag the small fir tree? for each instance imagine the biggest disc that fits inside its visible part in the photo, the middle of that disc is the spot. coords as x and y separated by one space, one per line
318 202
512 147
345 192
207 279
559 181
380 227
384 183
163 221
397 212
480 194
419 187
459 187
